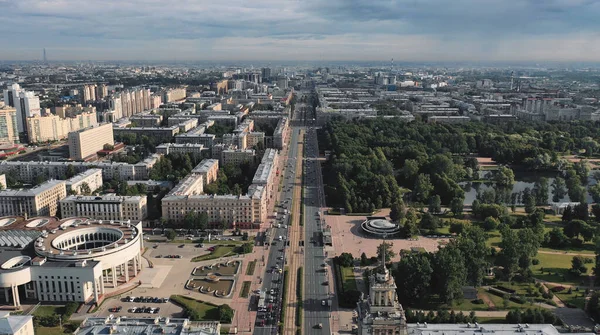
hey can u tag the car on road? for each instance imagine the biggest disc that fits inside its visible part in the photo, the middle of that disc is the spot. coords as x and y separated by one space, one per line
326 282
156 310
182 245
323 302
319 326
272 292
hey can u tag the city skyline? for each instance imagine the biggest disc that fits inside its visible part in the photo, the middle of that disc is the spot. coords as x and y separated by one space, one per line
406 30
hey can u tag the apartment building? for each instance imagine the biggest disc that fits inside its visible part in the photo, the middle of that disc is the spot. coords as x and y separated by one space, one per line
84 143
9 131
174 94
38 201
209 169
55 127
164 134
254 138
149 120
92 178
26 172
237 156
195 149
106 207
280 134
207 140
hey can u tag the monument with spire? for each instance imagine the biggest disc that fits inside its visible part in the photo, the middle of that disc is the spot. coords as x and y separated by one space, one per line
380 313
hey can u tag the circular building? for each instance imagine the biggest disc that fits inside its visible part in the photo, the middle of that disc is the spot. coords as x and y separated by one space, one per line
68 260
380 227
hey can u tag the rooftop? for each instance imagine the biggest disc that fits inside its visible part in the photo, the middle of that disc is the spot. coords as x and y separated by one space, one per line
476 329
83 175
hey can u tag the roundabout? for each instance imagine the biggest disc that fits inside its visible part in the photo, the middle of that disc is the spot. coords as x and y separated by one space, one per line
380 227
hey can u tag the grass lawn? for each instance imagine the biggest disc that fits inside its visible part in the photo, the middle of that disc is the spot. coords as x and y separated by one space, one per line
206 311
250 268
499 302
245 291
348 278
490 320
574 298
220 251
49 331
48 310
556 269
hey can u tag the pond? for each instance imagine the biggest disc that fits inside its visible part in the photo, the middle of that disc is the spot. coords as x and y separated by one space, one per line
523 180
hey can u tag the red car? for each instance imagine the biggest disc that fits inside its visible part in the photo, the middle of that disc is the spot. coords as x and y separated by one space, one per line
211 249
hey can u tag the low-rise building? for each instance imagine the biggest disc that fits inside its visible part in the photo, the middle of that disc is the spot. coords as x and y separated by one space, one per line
16 324
147 120
191 148
164 134
146 326
448 119
106 207
209 169
41 200
92 178
280 134
237 156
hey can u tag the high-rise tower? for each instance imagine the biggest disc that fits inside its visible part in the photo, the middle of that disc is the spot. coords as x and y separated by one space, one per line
44 56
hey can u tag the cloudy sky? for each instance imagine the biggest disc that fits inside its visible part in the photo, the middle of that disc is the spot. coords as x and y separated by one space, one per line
406 30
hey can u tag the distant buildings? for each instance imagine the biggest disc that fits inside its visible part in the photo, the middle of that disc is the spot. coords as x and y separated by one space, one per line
28 105
129 102
85 143
55 127
9 132
173 94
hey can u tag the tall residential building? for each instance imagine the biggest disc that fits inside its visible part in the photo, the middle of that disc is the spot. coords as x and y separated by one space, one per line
28 105
89 93
266 73
55 128
85 143
11 95
130 102
174 94
9 133
101 91
155 101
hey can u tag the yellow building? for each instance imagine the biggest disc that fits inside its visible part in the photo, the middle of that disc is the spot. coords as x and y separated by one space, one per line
38 201
55 128
9 132
85 143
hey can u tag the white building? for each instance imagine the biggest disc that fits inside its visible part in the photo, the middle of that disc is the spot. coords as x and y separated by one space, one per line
146 326
91 177
106 207
192 148
16 324
71 260
28 105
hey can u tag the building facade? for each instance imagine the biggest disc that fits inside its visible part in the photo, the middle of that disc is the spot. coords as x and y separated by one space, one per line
38 201
55 128
92 178
106 207
85 143
9 131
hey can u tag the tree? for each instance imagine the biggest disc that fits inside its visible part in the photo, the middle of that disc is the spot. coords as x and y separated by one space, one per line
504 176
593 305
578 266
556 239
413 277
558 189
170 234
472 244
225 313
528 201
410 227
576 228
540 191
456 206
429 222
397 210
435 204
202 221
594 191
490 223
246 248
449 273
364 260
70 171
387 248
85 189
422 188
345 259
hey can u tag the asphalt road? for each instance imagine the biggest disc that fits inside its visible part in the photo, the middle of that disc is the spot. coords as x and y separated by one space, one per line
273 280
317 298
